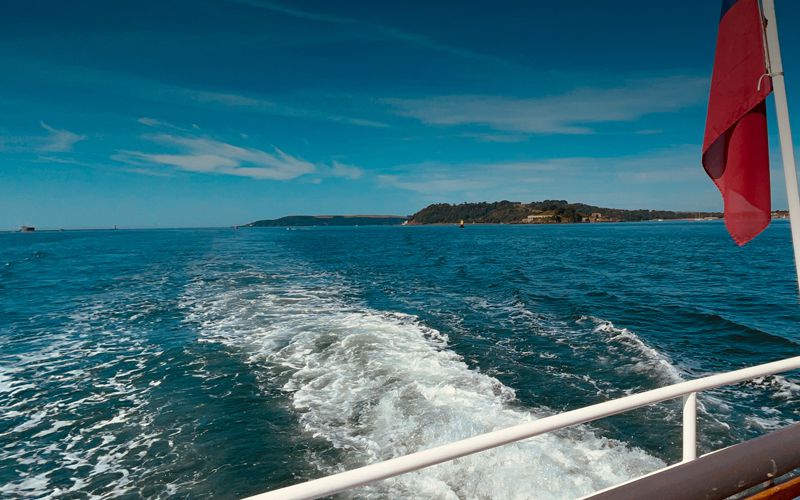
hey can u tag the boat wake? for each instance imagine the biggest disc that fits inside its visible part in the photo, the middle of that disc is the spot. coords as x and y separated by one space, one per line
375 385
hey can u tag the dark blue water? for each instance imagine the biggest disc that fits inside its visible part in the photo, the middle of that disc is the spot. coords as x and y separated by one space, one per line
221 363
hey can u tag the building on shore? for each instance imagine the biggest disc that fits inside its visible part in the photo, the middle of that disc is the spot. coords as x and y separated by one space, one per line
541 219
598 217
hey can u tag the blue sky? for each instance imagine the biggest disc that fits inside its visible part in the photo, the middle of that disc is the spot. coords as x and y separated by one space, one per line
207 113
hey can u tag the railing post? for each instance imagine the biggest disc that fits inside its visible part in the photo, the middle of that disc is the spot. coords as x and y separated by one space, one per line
689 426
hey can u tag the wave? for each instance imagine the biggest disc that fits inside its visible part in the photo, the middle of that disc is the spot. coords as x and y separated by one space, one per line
619 349
741 333
642 357
376 385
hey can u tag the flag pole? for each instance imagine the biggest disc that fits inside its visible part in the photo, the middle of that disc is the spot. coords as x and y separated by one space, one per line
784 129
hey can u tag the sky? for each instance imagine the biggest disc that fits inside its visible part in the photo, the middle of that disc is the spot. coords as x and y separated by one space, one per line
216 113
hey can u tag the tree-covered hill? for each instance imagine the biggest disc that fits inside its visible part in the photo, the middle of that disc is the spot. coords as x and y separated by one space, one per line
547 211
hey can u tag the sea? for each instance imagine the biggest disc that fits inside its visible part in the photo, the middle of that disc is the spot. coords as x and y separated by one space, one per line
221 363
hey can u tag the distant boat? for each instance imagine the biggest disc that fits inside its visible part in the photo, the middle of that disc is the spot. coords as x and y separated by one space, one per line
27 229
461 224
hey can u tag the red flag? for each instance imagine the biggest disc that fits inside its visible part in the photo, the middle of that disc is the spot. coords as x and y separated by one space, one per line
735 151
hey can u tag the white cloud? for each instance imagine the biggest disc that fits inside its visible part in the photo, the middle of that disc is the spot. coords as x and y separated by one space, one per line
150 122
226 99
58 141
210 156
161 124
205 155
504 138
570 113
55 141
147 171
577 178
338 169
437 178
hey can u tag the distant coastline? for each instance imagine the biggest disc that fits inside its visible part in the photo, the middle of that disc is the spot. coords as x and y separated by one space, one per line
500 212
330 220
444 214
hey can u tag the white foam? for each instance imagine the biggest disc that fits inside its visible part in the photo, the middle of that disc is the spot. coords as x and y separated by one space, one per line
378 385
32 422
58 424
642 357
43 435
779 386
33 486
766 424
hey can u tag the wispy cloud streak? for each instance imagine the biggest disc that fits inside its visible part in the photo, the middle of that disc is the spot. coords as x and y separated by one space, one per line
444 178
570 113
680 164
378 29
152 90
210 156
59 141
55 141
258 105
204 155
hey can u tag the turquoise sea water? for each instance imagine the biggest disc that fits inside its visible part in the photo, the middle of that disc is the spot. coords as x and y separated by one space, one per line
220 363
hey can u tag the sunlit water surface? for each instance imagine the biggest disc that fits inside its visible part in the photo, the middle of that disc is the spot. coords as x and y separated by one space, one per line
221 363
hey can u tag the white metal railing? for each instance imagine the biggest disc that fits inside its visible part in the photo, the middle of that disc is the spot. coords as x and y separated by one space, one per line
426 458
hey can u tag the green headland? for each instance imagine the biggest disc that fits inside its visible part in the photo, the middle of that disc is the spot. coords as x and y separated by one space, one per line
499 212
